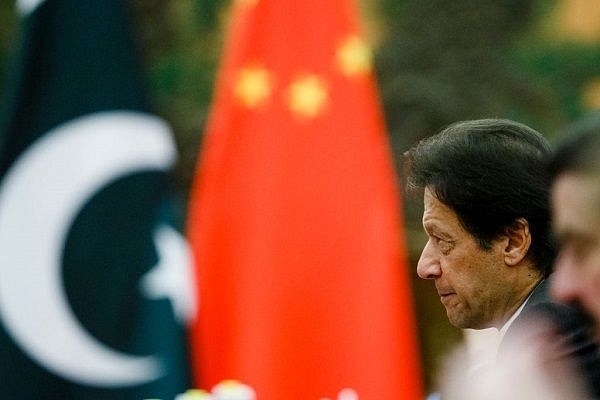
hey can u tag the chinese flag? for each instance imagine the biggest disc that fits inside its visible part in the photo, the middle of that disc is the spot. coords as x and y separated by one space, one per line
295 216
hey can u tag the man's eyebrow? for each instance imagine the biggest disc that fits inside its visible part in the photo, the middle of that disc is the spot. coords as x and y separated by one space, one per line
434 228
569 235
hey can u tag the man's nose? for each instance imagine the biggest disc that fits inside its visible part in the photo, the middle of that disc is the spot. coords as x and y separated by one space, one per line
428 266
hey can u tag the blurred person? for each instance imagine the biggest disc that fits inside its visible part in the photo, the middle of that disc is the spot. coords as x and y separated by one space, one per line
575 199
530 370
489 250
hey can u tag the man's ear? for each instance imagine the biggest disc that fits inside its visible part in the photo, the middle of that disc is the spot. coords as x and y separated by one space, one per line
518 241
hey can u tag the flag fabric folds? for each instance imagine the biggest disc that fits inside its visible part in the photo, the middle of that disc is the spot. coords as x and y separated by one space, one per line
295 218
91 305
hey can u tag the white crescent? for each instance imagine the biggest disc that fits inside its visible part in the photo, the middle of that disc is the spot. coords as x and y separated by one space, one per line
40 198
25 7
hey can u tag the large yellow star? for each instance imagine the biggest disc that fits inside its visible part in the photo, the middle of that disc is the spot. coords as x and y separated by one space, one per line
253 86
354 56
307 96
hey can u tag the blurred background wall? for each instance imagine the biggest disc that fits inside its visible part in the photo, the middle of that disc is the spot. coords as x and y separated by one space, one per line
437 61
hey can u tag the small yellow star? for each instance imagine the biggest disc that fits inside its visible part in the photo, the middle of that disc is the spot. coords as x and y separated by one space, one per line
591 94
308 96
254 86
354 56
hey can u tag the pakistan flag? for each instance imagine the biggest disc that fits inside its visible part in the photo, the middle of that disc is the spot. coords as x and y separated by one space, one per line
94 295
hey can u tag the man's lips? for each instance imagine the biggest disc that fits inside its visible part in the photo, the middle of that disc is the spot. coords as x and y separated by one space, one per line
445 295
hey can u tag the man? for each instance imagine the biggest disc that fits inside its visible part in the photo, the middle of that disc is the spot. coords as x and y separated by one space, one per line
575 167
487 218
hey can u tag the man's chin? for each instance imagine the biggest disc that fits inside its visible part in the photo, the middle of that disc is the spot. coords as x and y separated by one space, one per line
457 321
464 322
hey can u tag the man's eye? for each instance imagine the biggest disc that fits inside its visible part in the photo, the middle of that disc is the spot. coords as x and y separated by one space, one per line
444 245
578 248
580 251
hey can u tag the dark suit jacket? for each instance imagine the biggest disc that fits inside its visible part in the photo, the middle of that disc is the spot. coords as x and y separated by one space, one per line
574 330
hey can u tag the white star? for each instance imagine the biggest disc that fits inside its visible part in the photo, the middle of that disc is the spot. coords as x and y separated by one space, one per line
171 277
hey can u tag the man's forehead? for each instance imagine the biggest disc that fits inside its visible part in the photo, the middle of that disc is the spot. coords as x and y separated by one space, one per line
433 206
576 204
438 215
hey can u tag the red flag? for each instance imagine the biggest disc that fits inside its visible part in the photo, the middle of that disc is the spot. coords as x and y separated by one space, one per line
295 216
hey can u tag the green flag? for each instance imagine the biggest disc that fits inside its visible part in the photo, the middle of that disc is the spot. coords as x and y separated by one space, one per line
94 291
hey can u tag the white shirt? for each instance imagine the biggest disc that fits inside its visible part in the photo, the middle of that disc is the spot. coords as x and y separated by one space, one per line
483 344
508 323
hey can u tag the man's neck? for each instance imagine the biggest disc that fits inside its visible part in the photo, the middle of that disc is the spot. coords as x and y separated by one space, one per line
517 307
507 324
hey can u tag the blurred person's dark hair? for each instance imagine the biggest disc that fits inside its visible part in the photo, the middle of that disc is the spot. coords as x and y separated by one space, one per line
491 173
578 148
